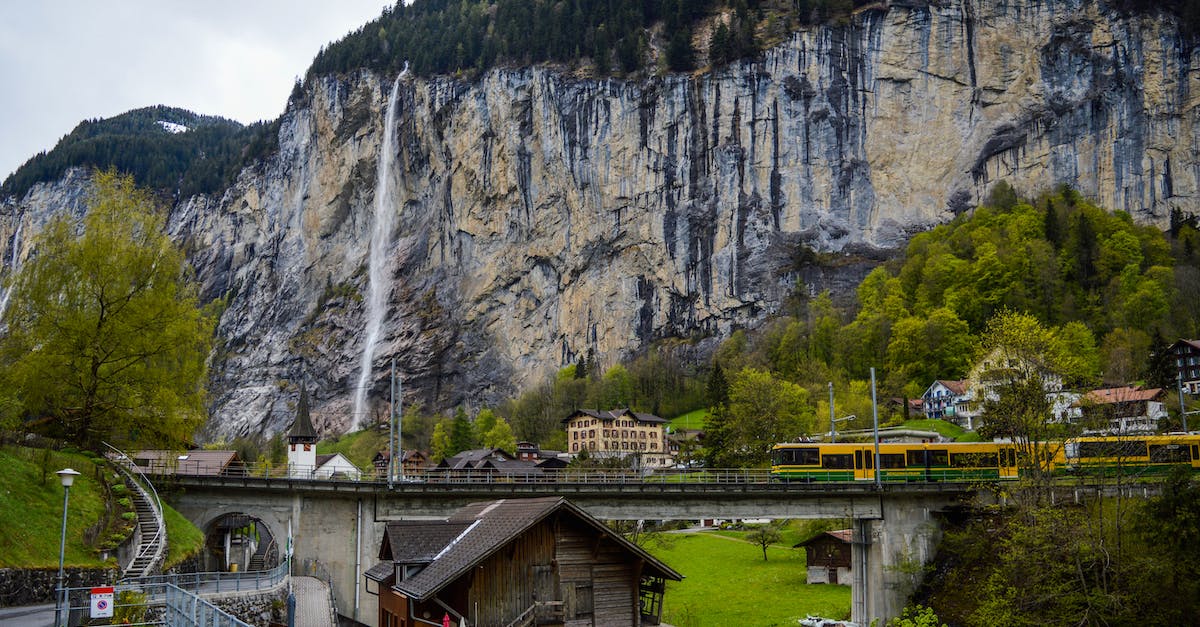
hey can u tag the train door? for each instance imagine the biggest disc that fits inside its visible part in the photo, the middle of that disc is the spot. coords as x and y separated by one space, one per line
860 471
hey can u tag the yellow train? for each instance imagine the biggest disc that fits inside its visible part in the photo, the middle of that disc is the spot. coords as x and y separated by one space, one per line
975 461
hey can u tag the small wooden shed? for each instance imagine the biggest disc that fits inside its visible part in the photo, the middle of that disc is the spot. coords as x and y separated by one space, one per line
828 557
540 561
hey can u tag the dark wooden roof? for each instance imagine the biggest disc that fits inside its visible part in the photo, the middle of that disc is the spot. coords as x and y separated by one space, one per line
842 535
417 541
614 414
466 460
487 527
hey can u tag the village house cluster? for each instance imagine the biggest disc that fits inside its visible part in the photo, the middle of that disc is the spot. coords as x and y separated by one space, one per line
1112 410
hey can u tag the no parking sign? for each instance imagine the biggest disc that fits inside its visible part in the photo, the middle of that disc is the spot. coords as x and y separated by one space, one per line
102 602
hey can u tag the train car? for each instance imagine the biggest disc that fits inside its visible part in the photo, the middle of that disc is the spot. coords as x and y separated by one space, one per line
850 461
1127 455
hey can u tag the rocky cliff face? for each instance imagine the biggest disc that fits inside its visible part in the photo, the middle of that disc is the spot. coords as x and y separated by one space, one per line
538 216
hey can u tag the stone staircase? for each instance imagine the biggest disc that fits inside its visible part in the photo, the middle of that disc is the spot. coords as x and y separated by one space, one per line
150 536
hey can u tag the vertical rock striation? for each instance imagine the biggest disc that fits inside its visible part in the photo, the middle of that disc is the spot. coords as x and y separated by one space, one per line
538 215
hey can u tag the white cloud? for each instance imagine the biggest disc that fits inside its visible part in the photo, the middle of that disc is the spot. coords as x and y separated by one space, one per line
65 61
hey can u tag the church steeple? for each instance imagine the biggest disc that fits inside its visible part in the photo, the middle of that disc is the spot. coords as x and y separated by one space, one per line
302 441
302 428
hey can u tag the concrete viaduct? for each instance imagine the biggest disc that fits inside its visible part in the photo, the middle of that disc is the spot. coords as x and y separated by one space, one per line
340 524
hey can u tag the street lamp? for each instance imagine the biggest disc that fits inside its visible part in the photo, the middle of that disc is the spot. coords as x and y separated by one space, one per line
67 476
833 425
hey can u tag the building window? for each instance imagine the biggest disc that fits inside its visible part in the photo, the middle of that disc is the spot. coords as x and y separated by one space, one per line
575 447
591 433
654 446
575 435
592 445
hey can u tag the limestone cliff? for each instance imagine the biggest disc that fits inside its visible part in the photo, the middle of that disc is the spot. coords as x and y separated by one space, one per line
539 215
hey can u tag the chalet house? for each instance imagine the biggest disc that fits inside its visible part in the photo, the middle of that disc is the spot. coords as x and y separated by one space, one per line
205 463
940 398
619 433
1187 364
1123 410
486 461
544 459
828 557
412 462
335 466
515 562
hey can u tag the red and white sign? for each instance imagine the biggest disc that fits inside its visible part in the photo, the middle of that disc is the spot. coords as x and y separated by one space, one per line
102 602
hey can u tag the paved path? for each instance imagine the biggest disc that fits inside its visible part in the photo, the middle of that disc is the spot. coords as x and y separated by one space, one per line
312 602
27 616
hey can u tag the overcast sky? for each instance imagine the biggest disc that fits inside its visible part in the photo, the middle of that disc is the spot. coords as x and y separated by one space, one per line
64 61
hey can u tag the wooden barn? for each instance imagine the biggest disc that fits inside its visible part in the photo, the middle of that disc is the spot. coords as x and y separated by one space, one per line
518 562
828 557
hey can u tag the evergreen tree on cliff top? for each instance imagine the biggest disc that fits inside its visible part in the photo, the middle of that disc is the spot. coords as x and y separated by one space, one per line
106 339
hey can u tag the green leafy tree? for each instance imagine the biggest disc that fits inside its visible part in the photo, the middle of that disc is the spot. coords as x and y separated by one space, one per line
440 445
106 338
764 536
462 435
485 420
762 410
500 436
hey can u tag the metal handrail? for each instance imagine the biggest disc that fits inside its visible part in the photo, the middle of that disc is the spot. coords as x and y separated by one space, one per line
241 581
156 504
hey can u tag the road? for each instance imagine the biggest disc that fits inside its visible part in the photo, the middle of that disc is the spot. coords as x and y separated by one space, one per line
27 616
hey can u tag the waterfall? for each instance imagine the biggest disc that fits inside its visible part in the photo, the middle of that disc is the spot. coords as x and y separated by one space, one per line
381 233
12 266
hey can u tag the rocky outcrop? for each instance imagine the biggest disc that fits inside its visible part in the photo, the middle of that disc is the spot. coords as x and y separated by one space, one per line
539 216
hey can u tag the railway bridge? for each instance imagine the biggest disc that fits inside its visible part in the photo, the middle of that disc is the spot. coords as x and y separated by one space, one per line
340 524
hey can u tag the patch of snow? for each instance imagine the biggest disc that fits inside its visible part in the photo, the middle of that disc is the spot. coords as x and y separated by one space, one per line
172 127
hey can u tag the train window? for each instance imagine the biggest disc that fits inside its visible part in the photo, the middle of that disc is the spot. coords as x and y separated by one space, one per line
1168 453
858 460
798 456
974 460
916 457
939 457
892 460
1113 448
1010 457
1196 451
837 461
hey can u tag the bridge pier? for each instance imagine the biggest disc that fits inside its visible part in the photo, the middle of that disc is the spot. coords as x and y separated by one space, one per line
889 555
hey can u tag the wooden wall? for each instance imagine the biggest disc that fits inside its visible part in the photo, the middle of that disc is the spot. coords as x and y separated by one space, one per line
594 568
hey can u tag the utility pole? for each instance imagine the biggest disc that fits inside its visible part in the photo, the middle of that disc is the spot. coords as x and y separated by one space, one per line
875 417
832 422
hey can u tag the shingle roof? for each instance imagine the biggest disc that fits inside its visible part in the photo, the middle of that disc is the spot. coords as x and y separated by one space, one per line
197 462
418 541
382 572
1119 395
614 414
471 459
841 535
489 526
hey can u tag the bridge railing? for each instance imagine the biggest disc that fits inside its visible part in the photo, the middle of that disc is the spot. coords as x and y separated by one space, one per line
214 582
489 475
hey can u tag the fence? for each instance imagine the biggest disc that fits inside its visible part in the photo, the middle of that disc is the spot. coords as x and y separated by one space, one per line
214 582
153 604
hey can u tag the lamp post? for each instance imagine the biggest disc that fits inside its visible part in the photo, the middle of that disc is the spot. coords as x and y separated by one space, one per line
67 476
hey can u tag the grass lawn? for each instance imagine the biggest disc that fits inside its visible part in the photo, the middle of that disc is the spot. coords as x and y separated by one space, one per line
945 429
185 539
691 420
728 583
359 447
31 509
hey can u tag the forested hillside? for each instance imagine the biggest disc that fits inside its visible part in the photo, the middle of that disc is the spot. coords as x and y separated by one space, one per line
166 149
1110 294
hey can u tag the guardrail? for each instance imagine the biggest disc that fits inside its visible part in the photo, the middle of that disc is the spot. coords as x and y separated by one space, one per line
214 582
184 609
443 475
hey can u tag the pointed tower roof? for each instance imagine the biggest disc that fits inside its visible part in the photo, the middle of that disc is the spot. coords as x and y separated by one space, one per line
302 427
